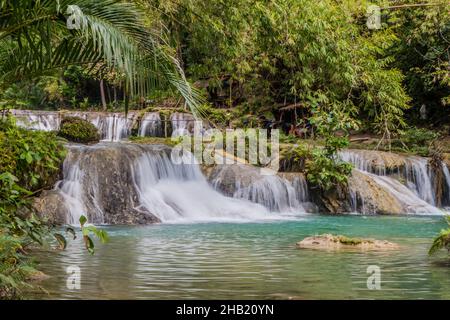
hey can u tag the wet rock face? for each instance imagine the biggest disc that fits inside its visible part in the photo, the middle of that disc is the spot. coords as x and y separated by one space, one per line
284 192
228 178
51 206
370 197
379 162
99 183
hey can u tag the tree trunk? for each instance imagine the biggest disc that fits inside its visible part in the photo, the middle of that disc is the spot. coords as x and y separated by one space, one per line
102 94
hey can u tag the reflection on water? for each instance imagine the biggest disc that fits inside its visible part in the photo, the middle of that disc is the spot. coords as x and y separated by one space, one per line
252 261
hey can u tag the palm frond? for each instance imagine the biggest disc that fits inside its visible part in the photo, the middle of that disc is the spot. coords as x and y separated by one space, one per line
34 39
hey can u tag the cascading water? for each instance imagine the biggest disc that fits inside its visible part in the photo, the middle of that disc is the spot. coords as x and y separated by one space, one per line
277 193
418 179
151 125
274 193
175 192
182 124
112 126
130 183
446 172
79 190
39 120
416 194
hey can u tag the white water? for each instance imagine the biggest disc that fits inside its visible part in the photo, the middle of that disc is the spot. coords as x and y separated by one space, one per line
71 188
447 182
48 121
181 193
113 126
409 200
171 192
416 194
150 125
182 124
273 192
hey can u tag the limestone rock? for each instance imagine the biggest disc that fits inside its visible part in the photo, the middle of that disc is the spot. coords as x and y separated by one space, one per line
51 205
330 242
370 197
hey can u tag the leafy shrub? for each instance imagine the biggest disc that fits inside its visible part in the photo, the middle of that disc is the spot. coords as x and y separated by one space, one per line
78 130
415 140
32 158
30 161
442 240
327 172
15 267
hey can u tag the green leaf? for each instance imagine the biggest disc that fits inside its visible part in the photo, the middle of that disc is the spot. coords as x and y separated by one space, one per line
89 244
71 231
83 220
61 240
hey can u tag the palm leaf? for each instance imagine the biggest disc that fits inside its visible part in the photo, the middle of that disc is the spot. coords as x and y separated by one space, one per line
35 40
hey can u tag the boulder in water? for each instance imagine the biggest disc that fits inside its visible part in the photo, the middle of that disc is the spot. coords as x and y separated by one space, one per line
51 206
78 130
331 242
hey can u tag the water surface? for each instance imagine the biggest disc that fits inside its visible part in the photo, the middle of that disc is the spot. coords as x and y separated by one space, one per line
252 261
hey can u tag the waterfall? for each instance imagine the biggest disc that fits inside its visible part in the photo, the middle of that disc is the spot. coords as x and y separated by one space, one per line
447 184
406 197
38 120
113 126
418 179
416 193
180 192
151 125
277 193
74 192
131 183
182 124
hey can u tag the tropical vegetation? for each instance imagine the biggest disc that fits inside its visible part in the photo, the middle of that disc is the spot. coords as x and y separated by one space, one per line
304 64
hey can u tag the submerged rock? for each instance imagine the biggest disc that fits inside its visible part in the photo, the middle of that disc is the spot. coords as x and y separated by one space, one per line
339 242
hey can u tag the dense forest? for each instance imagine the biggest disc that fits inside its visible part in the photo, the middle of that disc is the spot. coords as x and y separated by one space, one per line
313 69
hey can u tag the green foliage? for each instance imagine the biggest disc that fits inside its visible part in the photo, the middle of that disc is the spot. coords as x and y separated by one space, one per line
267 55
220 117
78 130
15 267
442 240
324 168
153 140
87 230
327 172
422 54
111 35
30 161
416 140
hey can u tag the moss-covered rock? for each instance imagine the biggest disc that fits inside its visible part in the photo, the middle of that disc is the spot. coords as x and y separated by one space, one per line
338 242
78 130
